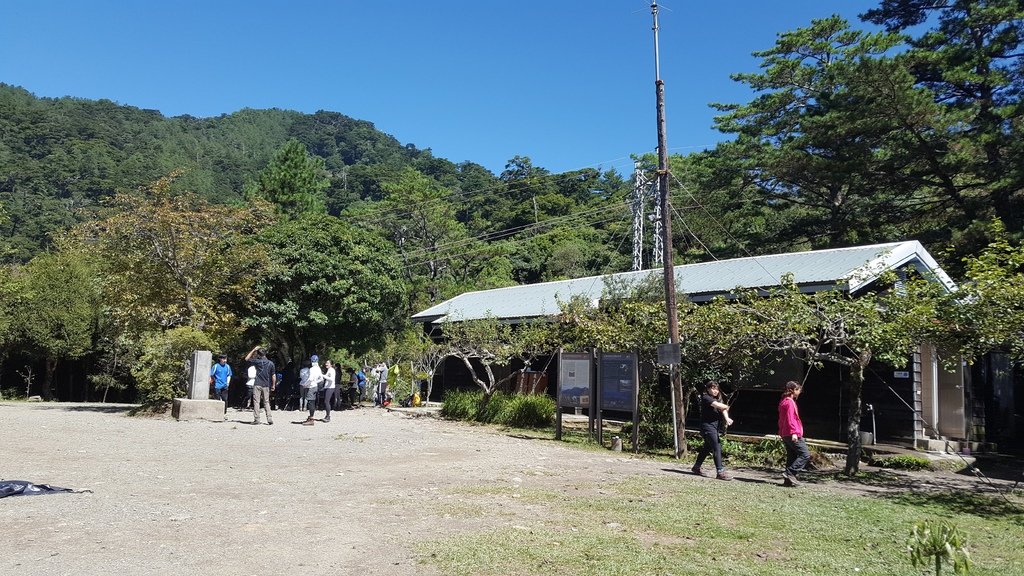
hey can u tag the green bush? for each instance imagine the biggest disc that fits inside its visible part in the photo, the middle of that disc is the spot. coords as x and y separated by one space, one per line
528 411
461 405
162 370
490 410
652 434
905 462
522 411
765 453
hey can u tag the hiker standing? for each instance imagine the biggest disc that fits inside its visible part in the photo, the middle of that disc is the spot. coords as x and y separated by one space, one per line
791 430
266 382
314 379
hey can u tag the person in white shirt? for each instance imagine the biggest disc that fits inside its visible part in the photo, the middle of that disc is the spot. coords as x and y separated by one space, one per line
249 383
314 381
303 385
330 388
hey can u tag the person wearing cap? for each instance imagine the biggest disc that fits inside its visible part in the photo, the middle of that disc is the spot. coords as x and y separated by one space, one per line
266 382
220 378
314 380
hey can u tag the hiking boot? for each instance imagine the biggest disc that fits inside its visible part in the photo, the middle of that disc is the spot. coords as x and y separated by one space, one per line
327 419
696 470
270 422
723 475
789 479
308 422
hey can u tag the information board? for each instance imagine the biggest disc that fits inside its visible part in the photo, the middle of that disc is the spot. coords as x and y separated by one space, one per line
574 377
618 381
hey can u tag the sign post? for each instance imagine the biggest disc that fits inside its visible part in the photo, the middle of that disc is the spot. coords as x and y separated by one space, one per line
617 387
575 383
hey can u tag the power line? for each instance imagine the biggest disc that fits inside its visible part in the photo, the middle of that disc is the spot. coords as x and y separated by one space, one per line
449 256
512 231
724 229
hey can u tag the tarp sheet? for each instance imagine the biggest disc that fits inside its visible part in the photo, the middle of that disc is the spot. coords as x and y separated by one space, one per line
23 488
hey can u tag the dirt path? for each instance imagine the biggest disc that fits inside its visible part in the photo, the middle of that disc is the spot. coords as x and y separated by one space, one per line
348 497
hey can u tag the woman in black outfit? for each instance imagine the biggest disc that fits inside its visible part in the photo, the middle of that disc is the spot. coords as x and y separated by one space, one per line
712 411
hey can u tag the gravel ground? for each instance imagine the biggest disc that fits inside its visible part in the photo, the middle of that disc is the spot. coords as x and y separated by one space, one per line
348 497
351 496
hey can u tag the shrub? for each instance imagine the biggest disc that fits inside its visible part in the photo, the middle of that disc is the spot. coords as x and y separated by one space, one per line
490 410
525 411
905 462
162 370
461 405
652 434
528 411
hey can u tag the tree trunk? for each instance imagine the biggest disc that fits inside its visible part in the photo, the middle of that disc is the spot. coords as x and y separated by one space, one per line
853 421
488 390
51 367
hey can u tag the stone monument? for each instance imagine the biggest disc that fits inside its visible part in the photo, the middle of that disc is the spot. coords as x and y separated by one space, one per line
198 405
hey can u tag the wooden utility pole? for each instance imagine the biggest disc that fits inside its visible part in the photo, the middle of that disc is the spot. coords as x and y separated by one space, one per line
678 399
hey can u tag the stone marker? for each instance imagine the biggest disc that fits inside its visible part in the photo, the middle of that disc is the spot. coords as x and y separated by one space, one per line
198 405
199 375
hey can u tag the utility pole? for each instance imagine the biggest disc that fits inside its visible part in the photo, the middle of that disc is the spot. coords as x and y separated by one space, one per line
678 399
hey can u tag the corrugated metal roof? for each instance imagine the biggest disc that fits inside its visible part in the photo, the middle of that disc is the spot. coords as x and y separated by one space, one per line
844 268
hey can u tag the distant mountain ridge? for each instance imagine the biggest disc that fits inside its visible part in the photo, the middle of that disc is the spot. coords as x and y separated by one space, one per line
60 157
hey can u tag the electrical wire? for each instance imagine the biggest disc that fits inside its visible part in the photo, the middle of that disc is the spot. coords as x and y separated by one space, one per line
443 257
724 229
504 233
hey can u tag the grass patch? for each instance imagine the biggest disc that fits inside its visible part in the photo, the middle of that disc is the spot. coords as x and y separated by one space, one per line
664 526
522 411
904 462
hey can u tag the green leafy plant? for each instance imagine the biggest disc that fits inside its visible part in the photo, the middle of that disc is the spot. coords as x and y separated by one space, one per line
461 405
905 462
162 370
939 543
528 411
519 410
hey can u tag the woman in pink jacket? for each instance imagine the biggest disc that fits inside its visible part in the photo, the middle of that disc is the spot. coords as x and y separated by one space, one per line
791 430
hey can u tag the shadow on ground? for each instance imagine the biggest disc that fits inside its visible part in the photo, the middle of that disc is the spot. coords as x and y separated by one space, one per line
101 408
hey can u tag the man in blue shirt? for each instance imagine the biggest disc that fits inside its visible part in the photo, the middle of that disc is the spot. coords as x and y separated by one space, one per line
361 384
220 377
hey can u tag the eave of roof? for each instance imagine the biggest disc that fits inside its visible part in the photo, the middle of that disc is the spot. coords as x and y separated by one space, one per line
850 269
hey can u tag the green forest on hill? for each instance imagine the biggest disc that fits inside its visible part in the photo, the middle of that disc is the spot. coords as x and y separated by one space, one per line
126 232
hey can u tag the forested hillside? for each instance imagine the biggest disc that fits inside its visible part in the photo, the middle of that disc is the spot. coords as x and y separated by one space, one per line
317 231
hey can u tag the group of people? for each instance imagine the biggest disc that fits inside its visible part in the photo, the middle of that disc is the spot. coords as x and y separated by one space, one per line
714 412
327 387
320 385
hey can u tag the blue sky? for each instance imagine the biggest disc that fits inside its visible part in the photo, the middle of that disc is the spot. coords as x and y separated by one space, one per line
569 83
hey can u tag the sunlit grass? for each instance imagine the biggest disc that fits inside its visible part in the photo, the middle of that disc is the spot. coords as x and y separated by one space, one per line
667 526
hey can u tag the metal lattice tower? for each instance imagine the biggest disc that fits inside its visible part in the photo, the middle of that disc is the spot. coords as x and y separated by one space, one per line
641 186
644 193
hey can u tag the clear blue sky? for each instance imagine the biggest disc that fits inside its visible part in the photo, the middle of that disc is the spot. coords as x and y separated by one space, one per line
569 83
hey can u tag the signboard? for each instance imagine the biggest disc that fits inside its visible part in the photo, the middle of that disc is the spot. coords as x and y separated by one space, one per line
901 374
618 381
574 377
668 354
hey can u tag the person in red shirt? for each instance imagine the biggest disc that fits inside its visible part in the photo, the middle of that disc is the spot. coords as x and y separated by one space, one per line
791 430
